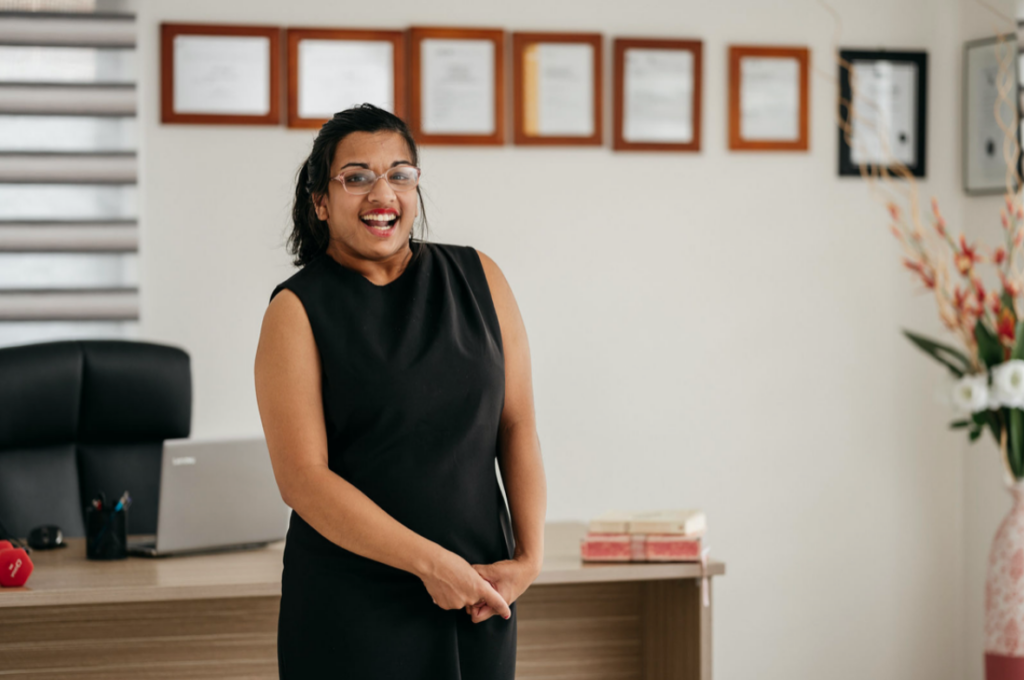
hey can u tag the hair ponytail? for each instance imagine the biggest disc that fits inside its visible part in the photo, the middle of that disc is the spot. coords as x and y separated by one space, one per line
310 235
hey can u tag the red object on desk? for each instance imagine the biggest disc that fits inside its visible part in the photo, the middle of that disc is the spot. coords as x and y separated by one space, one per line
15 567
606 548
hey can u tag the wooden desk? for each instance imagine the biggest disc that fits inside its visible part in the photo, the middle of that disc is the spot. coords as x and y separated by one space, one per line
215 616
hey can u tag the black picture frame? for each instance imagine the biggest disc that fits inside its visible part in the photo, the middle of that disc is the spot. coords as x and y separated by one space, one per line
847 168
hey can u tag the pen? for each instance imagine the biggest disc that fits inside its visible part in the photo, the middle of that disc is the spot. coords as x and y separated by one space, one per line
123 502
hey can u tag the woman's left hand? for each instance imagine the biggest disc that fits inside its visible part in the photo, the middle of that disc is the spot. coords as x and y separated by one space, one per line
510 578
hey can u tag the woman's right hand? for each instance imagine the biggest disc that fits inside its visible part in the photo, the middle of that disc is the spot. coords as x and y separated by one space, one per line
453 584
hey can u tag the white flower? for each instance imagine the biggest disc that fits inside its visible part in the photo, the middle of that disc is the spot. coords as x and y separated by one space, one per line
1008 383
971 393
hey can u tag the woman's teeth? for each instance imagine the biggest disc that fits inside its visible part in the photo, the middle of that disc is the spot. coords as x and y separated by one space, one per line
383 221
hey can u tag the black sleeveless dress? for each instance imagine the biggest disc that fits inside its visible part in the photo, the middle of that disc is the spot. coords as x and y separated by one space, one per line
413 389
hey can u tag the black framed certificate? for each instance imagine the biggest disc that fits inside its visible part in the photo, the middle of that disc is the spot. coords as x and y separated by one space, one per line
883 111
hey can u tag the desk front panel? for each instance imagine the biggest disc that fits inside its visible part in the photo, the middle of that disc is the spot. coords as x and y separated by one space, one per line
646 630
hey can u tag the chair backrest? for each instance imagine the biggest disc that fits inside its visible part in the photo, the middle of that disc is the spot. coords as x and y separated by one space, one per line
87 416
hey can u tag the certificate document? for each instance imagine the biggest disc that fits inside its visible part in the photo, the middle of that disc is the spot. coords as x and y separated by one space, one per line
335 75
658 95
983 153
558 89
883 125
458 86
770 99
221 75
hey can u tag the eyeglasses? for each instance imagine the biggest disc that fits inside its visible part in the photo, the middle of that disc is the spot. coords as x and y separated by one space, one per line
362 180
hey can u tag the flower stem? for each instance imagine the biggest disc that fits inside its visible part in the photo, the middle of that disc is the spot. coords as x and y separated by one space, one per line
1005 452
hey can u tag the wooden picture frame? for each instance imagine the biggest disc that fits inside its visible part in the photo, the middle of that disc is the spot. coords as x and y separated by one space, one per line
526 121
800 141
425 124
916 136
179 104
295 36
620 142
984 170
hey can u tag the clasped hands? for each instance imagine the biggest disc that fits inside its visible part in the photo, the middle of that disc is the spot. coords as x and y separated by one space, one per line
482 590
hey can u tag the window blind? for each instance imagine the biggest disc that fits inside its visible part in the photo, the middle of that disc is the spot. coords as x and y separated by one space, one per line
68 170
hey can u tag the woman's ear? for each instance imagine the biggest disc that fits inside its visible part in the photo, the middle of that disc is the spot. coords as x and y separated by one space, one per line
319 204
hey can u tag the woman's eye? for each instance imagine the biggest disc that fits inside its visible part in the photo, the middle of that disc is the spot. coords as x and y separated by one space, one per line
357 177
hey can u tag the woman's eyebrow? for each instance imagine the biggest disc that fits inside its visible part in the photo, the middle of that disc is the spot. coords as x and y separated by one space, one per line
367 165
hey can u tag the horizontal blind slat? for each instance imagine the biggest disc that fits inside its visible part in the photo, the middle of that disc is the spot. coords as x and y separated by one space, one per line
68 238
68 168
80 31
96 100
58 305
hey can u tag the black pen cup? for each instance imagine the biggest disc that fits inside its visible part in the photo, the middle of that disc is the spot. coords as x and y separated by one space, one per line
106 534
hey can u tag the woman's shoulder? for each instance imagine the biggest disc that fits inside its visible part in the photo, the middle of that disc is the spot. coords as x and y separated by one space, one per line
452 252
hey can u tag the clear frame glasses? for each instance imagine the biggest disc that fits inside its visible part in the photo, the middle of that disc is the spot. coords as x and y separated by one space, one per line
362 180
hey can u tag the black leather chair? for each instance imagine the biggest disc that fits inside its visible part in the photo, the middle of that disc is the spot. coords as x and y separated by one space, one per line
84 416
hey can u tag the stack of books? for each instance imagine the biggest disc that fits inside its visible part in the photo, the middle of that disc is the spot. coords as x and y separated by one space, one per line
658 536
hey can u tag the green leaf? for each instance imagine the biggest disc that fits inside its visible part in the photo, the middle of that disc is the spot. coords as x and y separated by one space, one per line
951 358
974 434
1016 445
1018 342
989 350
959 424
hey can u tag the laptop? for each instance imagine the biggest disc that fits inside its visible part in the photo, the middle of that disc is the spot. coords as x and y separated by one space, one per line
215 495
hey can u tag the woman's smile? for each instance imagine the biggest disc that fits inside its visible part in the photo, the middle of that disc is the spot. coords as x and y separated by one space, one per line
381 222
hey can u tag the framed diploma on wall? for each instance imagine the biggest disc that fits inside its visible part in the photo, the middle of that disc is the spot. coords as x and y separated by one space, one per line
557 88
656 95
883 101
990 78
333 70
769 102
457 85
211 74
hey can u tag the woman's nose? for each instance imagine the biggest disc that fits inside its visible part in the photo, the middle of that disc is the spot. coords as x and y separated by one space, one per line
381 191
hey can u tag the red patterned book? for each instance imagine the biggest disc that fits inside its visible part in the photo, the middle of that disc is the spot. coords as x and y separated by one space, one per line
671 548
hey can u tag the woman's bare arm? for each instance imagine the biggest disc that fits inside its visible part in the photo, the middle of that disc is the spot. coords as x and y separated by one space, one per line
288 392
519 457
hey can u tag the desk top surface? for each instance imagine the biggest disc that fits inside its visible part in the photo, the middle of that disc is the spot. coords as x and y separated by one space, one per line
65 577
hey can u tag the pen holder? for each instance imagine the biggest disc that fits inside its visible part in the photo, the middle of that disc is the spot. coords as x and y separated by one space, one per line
106 534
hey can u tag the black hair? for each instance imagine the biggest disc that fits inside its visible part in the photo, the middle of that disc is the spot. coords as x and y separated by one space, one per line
310 236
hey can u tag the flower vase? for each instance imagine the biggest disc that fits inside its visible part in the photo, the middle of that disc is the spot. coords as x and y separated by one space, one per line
1004 595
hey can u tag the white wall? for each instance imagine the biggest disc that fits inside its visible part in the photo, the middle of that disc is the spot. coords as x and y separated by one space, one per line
739 353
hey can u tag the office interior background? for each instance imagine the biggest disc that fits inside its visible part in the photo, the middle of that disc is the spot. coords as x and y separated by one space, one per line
716 329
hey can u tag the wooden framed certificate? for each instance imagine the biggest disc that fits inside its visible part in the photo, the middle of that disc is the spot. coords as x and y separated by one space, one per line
557 83
333 70
657 95
883 99
212 74
457 85
769 99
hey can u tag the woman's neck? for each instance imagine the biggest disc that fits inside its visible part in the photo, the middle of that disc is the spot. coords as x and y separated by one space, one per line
378 272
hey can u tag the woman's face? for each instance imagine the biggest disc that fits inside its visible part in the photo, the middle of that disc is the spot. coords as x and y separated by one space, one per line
373 226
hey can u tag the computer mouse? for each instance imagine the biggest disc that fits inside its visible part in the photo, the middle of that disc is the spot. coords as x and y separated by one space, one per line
46 538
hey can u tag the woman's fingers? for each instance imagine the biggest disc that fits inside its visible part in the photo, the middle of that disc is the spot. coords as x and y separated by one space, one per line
482 614
494 599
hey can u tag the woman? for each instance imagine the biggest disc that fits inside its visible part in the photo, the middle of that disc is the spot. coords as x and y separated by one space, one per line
390 374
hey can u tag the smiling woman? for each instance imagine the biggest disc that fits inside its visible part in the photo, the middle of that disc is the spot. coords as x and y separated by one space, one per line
342 153
391 373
